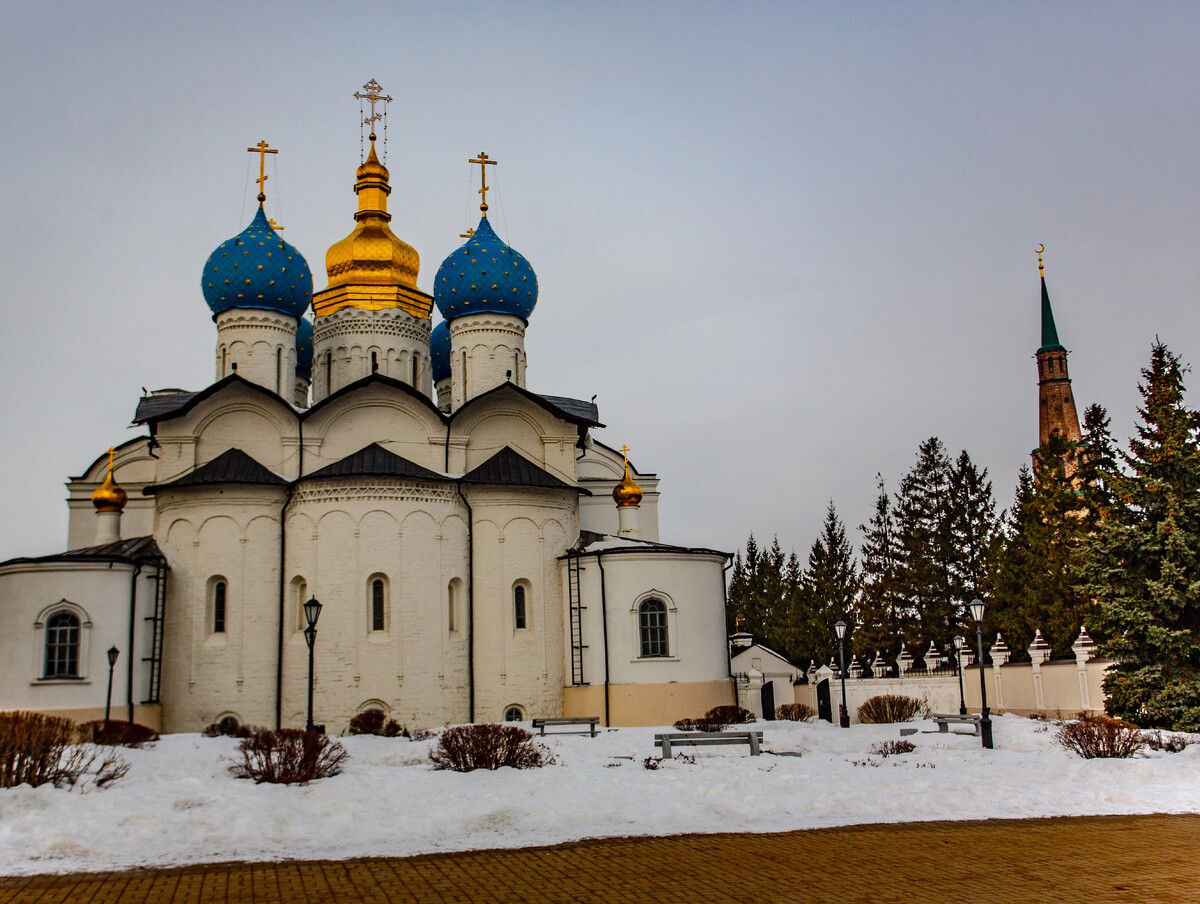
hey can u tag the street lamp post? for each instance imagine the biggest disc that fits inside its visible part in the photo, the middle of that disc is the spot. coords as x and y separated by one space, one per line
113 653
312 611
840 627
959 640
985 723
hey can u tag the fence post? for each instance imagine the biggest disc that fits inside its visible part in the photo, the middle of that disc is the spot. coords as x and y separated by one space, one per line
1039 652
1000 655
1082 648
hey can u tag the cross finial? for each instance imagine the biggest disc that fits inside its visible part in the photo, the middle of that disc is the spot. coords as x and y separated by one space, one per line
1041 266
625 450
275 226
373 96
467 234
484 163
112 452
262 149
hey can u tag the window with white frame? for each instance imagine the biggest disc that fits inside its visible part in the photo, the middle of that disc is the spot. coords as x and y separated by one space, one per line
377 588
520 603
218 604
62 646
652 628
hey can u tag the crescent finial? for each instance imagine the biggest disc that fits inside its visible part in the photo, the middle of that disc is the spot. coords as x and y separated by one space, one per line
1041 266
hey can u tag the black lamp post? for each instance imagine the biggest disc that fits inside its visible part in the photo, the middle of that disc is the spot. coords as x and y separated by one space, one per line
840 627
985 723
312 611
959 640
113 653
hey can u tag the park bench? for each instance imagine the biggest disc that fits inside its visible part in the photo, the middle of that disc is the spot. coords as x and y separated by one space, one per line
669 740
945 720
590 721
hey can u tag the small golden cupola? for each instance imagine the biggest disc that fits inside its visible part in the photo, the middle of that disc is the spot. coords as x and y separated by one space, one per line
627 493
110 496
371 268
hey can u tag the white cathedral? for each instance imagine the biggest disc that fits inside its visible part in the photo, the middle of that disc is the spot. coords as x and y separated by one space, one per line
477 554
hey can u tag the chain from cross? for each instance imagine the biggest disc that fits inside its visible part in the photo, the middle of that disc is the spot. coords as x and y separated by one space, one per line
484 163
262 149
373 97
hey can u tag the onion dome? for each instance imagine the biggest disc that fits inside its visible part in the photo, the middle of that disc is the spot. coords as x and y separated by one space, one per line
439 351
627 492
257 269
304 349
110 496
485 276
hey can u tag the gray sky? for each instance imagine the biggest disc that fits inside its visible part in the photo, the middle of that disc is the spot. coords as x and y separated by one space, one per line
783 243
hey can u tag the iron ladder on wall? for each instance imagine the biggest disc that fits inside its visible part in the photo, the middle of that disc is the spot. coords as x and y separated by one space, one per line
156 633
575 603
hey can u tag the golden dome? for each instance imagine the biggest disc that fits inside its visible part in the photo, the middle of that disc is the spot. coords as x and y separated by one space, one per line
372 255
627 492
110 496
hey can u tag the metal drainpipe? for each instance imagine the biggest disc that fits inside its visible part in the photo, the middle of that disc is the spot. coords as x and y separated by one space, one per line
283 581
725 609
470 606
137 569
604 633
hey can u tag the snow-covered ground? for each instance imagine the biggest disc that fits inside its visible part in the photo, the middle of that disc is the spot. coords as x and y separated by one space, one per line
179 804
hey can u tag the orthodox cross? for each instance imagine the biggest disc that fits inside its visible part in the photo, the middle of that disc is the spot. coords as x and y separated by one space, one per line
111 453
373 97
275 226
467 234
262 149
625 450
484 163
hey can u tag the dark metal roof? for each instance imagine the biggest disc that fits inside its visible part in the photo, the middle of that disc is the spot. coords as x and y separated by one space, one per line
156 407
165 406
369 380
582 414
587 538
135 549
507 467
375 461
231 466
584 411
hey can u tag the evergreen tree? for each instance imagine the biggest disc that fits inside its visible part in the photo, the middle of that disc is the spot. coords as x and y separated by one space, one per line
972 539
1096 459
1143 563
829 591
882 616
761 588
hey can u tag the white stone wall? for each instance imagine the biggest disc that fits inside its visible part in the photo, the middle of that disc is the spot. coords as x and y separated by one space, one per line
485 350
262 345
600 470
133 468
350 342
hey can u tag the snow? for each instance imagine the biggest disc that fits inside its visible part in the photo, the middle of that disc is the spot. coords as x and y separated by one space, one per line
179 804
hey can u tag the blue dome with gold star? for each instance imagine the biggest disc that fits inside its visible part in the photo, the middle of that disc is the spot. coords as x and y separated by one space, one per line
439 351
304 348
485 276
257 269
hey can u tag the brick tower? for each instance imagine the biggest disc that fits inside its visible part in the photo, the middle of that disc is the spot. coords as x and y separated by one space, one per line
1056 405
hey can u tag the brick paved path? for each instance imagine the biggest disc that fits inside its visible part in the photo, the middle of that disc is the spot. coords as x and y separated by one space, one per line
1091 859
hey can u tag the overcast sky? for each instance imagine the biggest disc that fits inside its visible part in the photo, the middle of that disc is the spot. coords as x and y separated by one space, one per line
783 243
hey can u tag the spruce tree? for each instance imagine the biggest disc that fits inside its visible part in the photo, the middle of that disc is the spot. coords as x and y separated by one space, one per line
830 590
972 539
882 616
1143 563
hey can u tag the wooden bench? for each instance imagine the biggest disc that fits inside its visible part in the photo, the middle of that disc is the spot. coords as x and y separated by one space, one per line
945 720
590 721
669 740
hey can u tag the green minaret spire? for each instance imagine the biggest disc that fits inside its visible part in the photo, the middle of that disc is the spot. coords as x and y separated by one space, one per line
1050 341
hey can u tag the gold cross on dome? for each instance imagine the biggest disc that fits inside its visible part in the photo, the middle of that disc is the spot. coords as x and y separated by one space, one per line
625 450
467 234
111 454
373 97
262 149
275 226
484 163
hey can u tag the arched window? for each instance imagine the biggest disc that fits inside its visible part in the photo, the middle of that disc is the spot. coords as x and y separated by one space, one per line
652 628
520 616
378 603
279 371
514 714
452 594
329 373
299 598
224 360
62 646
416 363
374 362
219 605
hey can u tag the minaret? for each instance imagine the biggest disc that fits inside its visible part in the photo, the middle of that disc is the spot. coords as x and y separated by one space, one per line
628 496
371 318
109 500
1056 405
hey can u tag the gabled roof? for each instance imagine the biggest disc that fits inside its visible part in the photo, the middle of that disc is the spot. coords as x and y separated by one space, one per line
103 457
134 549
509 468
583 414
374 461
231 466
585 411
369 380
152 409
592 543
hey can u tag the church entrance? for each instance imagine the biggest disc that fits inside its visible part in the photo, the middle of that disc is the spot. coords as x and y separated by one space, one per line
824 705
768 700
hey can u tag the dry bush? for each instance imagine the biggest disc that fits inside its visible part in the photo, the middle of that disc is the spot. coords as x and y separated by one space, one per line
795 712
1171 743
891 748
373 722
36 749
228 730
488 745
701 724
1100 737
729 715
288 756
887 708
115 733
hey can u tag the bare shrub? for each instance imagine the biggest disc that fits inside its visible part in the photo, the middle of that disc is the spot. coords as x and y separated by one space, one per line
1170 743
37 749
488 745
892 748
288 756
1100 737
729 715
228 728
888 708
650 763
373 722
795 712
115 733
701 724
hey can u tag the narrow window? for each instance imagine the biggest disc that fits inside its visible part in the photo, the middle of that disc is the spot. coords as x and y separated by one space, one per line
299 598
279 371
224 360
218 607
329 373
374 362
416 361
62 646
464 376
451 604
519 621
652 628
377 605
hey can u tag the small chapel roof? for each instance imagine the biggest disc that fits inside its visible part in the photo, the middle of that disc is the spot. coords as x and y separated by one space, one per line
374 461
132 549
510 468
231 466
